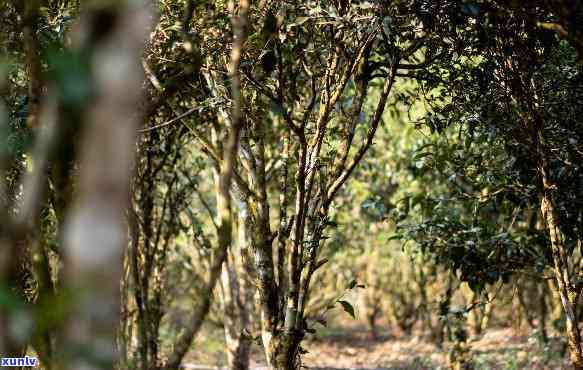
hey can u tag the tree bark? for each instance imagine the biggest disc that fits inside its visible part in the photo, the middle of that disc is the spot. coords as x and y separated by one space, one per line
282 350
235 294
565 289
542 290
235 318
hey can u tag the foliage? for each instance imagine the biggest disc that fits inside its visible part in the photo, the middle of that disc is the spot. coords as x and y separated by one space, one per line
292 150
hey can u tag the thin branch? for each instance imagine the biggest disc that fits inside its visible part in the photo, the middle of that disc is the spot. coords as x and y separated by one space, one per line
152 76
370 136
173 120
276 100
421 65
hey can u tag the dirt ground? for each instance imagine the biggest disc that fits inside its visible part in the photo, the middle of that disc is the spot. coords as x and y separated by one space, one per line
352 348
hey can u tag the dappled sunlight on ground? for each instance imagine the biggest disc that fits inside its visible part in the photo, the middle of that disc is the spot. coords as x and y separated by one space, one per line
353 348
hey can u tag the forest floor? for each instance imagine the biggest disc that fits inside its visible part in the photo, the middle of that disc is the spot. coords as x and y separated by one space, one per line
353 348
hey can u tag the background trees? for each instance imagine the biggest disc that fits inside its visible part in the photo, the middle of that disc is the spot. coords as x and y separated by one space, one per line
406 162
507 93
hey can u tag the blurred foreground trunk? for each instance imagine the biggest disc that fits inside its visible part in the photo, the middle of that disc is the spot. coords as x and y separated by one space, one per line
95 232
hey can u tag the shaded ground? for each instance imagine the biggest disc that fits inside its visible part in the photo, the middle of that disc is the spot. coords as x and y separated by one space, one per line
352 348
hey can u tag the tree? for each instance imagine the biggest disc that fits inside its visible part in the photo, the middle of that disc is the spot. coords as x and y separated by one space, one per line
303 132
92 103
505 89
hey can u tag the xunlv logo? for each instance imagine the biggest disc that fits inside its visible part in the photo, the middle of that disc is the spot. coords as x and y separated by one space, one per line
18 361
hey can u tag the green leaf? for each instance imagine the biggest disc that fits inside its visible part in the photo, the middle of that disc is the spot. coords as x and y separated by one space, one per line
348 308
395 237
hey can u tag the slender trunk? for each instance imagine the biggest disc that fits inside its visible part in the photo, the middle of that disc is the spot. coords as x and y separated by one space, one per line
565 289
223 187
488 309
424 305
280 347
516 315
238 346
543 311
444 306
372 323
524 306
476 315
234 296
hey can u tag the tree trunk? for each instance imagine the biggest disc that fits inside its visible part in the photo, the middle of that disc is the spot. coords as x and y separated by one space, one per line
235 319
524 305
282 350
95 231
372 323
542 287
516 315
281 347
565 289
234 296
476 315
